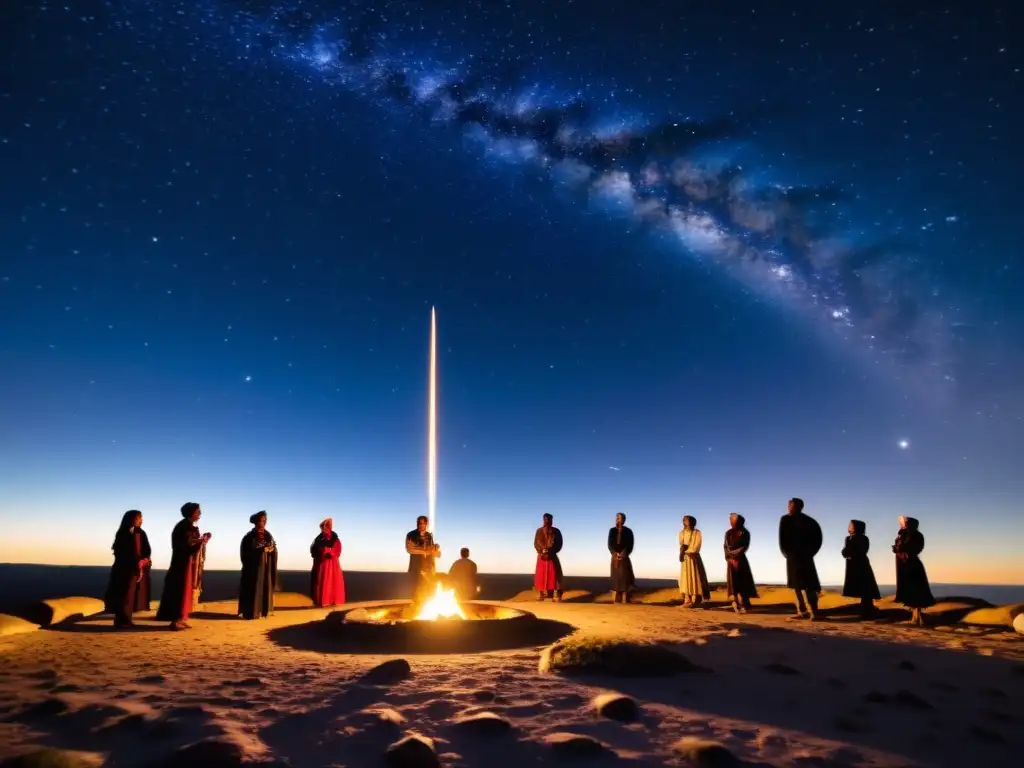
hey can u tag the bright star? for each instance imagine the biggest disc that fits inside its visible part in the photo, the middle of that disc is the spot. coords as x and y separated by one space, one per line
248 378
903 444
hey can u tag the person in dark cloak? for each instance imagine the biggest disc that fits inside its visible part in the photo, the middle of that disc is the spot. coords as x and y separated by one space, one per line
547 576
129 588
739 579
180 583
800 541
912 587
258 553
423 553
860 576
463 577
620 546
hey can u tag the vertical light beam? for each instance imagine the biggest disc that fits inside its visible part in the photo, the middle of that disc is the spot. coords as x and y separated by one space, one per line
432 428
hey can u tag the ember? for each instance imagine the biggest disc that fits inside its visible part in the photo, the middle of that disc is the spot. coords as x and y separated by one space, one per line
442 605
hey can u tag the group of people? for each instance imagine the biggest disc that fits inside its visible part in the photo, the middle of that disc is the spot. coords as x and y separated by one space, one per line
129 588
800 540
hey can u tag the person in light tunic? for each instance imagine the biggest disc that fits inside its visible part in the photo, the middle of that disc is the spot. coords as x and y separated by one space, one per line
693 579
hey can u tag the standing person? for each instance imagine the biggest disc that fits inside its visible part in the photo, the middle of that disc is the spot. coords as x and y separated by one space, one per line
423 553
129 587
800 541
912 587
258 553
739 578
693 579
620 546
860 576
547 576
180 583
327 582
463 576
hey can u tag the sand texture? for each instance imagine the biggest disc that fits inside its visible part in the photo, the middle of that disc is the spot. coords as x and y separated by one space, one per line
732 690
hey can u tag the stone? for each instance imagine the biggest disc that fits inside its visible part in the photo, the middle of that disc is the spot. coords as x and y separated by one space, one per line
12 625
59 609
482 723
412 751
208 753
780 669
573 745
906 666
391 671
706 753
1018 623
53 758
617 706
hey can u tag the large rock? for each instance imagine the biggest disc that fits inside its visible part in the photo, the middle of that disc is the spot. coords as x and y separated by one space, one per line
58 609
482 723
388 673
617 706
706 753
1018 623
413 751
12 625
574 745
53 758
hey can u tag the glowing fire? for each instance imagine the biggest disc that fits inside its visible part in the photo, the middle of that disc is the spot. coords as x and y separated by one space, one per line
442 605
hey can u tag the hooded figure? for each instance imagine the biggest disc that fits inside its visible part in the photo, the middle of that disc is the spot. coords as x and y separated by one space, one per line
620 547
739 578
258 553
800 540
129 587
184 576
912 588
327 583
693 579
860 577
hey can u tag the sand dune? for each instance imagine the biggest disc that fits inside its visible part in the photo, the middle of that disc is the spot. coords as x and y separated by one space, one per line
769 691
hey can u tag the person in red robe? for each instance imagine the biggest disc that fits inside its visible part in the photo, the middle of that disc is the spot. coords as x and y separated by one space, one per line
129 586
327 585
180 582
547 578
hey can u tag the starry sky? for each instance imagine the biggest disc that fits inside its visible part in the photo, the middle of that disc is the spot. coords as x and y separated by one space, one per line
687 258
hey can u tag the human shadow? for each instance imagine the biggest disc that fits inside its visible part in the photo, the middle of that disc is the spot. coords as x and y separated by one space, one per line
941 705
95 627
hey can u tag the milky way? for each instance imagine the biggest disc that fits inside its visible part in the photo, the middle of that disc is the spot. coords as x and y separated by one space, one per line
777 242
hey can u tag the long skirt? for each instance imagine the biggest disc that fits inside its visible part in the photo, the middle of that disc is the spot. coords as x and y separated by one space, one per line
622 575
548 575
739 578
693 579
912 587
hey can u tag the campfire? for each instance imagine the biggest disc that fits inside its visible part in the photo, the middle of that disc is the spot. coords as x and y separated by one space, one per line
442 605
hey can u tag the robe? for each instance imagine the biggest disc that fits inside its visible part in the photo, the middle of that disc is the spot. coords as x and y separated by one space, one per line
462 577
259 575
547 576
129 588
327 582
800 540
739 579
620 540
693 579
912 587
860 576
421 567
184 574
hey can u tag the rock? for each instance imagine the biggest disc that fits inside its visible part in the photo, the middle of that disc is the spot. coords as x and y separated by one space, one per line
482 723
615 657
12 625
706 754
484 695
208 753
388 673
151 680
573 745
53 758
1018 623
781 669
616 706
381 716
413 751
906 666
56 610
50 707
911 700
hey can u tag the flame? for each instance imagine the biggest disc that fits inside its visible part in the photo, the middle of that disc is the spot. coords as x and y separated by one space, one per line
442 605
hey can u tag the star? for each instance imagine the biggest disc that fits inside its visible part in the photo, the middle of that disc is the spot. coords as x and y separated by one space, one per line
248 378
903 444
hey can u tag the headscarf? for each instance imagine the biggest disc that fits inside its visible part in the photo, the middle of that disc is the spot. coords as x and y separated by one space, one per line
798 503
740 520
327 522
255 518
127 521
693 521
859 527
188 508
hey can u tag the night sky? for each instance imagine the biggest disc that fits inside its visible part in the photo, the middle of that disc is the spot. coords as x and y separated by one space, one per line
687 258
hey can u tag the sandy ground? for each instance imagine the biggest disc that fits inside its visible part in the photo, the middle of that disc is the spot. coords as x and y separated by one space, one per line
782 693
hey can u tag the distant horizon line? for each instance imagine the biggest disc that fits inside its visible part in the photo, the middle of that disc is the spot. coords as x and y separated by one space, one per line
524 574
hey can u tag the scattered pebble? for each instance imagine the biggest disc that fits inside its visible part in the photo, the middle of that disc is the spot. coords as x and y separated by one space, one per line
780 669
388 673
573 745
413 751
616 706
482 723
706 754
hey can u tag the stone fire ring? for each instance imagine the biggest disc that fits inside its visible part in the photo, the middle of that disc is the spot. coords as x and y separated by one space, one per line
388 628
